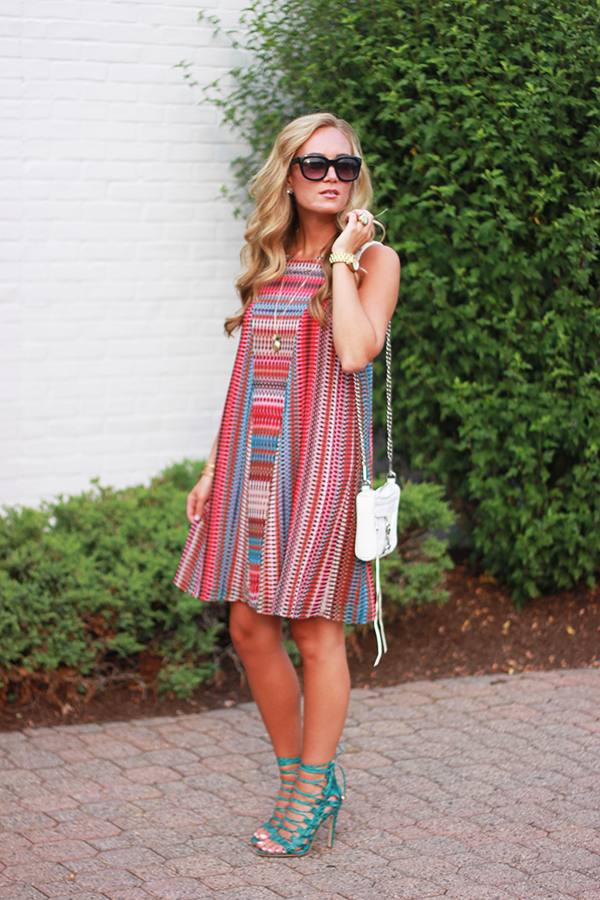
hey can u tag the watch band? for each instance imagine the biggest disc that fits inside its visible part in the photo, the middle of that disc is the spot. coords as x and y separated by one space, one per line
347 258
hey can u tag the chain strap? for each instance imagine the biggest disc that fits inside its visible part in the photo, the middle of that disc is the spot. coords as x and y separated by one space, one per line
360 414
388 397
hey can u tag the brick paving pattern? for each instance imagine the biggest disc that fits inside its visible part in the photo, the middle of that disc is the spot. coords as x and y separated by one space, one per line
468 789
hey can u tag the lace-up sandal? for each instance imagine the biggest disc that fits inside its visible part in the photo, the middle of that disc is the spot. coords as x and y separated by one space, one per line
288 767
307 811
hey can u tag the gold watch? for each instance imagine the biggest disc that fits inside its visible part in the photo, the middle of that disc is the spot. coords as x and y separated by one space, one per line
347 258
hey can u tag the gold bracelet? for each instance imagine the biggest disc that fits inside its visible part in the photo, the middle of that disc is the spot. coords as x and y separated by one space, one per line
349 258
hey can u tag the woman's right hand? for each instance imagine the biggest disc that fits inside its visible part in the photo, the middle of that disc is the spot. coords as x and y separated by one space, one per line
356 233
198 497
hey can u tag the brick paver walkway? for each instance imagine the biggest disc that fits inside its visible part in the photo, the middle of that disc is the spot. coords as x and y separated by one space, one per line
468 789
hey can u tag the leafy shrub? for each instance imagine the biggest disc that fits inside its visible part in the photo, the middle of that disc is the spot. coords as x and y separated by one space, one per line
87 594
414 572
481 121
86 586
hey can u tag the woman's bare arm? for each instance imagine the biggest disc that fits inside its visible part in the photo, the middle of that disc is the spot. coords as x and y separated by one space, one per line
361 314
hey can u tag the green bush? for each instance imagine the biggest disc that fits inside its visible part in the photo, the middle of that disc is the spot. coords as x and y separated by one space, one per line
86 586
414 572
481 122
87 594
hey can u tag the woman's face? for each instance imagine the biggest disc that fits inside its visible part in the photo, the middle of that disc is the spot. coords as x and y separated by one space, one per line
330 195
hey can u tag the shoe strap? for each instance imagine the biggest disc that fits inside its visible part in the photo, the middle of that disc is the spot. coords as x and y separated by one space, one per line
338 766
286 786
287 761
287 777
325 771
313 800
316 770
315 804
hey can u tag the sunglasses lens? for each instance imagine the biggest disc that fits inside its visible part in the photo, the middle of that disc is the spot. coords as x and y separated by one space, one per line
347 168
314 168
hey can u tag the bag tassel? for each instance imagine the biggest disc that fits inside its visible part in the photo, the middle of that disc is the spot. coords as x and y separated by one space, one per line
378 623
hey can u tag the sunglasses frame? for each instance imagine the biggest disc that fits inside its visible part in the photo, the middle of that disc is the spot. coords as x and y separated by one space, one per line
328 163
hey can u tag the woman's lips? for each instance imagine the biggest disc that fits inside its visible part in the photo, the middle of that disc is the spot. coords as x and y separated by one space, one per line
331 193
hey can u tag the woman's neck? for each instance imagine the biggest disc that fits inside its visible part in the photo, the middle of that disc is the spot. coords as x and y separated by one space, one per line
313 237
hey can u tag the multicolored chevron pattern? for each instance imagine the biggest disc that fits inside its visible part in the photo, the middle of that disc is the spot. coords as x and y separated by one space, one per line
279 530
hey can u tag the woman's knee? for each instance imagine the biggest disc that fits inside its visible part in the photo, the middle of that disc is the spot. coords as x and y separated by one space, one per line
252 632
318 639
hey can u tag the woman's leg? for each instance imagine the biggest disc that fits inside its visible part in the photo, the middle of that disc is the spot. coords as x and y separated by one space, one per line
271 675
275 688
322 645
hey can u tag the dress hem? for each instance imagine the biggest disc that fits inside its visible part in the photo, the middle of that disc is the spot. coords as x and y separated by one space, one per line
314 615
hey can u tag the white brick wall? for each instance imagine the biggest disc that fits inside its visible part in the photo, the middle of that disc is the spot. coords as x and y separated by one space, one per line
118 255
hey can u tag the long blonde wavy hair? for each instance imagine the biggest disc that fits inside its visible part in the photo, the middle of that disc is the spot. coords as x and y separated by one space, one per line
272 226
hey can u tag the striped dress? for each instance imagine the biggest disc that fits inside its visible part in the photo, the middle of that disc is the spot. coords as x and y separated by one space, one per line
278 531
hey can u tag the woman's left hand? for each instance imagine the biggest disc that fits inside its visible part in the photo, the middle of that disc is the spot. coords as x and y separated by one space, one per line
358 231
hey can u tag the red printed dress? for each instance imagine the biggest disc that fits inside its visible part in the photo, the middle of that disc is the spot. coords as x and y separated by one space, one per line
278 532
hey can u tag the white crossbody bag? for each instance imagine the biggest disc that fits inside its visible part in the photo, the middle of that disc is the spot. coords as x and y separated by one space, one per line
377 510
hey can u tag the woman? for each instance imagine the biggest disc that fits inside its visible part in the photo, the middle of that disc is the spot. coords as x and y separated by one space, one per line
274 510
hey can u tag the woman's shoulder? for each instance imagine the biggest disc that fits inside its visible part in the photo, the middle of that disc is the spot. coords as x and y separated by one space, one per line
379 254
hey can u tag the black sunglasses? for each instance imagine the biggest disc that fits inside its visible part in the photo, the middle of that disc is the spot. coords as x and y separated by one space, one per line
315 166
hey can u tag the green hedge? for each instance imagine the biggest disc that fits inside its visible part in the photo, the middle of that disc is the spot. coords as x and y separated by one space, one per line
481 122
87 594
415 571
86 583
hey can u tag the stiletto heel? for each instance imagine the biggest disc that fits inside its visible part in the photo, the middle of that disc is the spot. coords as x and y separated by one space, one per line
332 822
310 811
284 796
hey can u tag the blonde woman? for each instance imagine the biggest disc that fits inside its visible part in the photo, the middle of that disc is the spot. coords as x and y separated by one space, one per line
273 514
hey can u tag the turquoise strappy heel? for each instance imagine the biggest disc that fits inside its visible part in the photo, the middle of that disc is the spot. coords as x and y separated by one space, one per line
284 796
310 811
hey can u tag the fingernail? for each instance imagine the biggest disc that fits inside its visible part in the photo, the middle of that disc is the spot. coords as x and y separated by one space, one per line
196 518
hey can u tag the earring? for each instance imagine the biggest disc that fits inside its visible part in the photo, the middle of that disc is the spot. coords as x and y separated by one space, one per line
290 191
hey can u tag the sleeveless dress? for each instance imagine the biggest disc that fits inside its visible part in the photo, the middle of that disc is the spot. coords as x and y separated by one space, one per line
278 531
